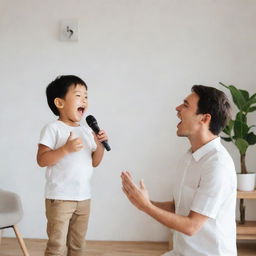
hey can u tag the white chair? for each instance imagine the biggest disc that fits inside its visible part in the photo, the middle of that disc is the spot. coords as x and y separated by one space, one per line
10 214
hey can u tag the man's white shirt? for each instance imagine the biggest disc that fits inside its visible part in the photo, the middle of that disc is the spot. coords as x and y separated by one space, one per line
205 182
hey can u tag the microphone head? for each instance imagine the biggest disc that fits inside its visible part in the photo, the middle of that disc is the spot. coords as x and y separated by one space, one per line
92 122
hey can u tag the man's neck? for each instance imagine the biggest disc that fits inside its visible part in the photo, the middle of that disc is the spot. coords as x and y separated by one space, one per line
199 141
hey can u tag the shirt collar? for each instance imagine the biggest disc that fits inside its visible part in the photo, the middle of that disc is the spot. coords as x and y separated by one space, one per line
202 151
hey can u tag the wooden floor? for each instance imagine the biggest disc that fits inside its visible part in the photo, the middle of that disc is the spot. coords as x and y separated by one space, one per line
10 247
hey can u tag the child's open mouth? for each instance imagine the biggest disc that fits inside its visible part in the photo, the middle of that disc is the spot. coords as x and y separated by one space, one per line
81 110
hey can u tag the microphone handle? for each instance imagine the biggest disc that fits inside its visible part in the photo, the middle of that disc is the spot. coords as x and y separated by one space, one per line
96 129
106 146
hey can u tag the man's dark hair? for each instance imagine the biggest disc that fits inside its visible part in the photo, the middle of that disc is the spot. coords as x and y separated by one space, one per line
59 88
214 102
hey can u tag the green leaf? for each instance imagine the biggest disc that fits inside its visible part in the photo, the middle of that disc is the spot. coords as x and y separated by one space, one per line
237 96
251 101
226 138
228 128
240 129
251 109
245 94
253 98
242 145
251 138
241 117
223 85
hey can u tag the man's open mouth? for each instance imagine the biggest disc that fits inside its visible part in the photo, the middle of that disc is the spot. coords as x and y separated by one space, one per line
179 119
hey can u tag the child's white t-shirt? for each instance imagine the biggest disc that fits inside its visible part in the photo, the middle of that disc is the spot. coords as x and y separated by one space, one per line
69 179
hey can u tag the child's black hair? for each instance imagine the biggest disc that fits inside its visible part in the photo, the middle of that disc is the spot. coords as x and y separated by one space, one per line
59 88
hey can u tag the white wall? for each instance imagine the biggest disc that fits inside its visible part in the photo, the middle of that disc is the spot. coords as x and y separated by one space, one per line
139 59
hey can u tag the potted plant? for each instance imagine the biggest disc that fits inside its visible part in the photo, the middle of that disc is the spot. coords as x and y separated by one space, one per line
240 133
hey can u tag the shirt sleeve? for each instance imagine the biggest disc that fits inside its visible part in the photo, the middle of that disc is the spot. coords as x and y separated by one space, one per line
48 136
213 189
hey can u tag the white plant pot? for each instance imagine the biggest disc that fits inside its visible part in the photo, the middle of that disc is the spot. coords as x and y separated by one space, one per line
246 182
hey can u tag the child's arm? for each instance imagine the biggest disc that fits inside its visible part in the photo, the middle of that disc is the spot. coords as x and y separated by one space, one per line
47 156
97 155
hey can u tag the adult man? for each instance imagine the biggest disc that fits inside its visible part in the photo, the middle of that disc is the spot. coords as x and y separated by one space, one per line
202 212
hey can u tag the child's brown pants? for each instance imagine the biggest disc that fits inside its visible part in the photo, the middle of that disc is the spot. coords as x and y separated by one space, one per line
66 226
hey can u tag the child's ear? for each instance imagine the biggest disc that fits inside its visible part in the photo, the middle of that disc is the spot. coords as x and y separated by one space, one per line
59 103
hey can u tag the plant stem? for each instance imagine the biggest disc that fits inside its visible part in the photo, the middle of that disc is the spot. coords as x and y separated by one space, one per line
242 211
243 166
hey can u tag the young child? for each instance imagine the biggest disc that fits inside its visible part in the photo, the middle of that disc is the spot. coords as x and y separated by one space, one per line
69 150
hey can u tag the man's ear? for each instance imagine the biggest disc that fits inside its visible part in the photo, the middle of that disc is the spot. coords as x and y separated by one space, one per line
206 118
59 103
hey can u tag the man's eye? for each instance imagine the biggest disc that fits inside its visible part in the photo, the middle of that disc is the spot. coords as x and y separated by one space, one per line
78 95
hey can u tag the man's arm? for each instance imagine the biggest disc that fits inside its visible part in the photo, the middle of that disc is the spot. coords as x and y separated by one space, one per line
189 225
138 196
167 206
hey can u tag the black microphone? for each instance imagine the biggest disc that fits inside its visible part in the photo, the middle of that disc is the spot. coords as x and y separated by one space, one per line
92 122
